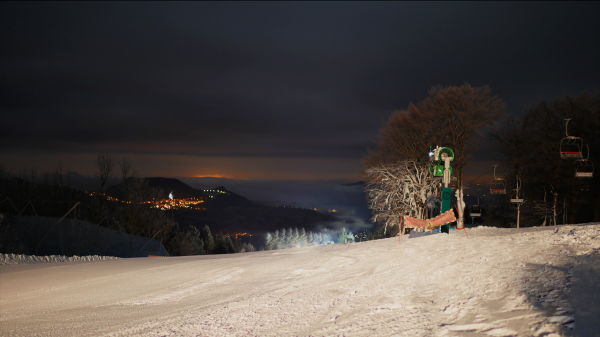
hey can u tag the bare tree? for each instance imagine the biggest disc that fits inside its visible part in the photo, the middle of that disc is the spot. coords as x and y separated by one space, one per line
452 116
127 170
58 187
398 189
463 112
105 166
407 135
27 188
136 212
511 142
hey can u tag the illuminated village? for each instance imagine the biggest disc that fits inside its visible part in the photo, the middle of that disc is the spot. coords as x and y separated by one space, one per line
164 204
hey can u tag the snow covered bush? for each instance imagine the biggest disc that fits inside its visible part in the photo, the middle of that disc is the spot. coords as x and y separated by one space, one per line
294 237
247 247
345 235
398 189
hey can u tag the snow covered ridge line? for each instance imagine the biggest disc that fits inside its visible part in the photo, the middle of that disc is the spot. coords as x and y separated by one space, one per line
10 259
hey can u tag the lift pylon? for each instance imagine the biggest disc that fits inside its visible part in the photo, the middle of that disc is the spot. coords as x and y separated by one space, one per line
516 195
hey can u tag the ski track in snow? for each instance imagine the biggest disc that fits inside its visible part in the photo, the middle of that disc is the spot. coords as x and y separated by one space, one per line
499 282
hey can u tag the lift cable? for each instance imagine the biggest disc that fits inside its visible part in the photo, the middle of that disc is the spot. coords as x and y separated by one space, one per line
486 172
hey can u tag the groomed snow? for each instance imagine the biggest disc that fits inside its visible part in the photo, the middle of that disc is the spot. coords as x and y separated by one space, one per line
498 282
12 259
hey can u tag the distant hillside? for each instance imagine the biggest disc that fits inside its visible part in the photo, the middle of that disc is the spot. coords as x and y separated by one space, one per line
217 197
228 212
180 189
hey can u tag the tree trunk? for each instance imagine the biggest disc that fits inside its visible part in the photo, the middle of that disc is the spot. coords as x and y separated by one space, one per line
545 209
573 215
519 216
555 208
597 207
460 205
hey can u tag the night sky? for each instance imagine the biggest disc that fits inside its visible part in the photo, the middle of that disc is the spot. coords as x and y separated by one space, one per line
265 91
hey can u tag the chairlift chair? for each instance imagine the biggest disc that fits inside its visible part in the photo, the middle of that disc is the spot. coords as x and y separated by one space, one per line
570 146
516 196
584 168
497 185
475 209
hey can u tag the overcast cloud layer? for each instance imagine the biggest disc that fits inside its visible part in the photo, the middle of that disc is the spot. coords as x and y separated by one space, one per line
302 87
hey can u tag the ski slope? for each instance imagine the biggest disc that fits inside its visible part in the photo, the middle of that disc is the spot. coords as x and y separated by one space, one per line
498 282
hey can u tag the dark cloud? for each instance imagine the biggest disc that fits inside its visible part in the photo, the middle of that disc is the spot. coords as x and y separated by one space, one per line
269 79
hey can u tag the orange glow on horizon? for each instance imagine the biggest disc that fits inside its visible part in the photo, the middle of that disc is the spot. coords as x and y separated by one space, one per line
211 176
178 165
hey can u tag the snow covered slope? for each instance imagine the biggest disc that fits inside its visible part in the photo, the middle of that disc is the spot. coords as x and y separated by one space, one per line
498 282
25 259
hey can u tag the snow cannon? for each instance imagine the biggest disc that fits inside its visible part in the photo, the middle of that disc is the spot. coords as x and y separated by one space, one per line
442 156
438 170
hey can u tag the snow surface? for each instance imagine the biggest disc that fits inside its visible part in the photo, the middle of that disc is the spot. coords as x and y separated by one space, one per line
497 282
25 259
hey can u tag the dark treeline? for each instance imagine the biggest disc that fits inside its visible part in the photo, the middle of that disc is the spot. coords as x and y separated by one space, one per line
191 241
53 194
530 149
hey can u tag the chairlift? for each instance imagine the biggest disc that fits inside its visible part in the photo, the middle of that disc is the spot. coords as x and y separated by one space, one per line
475 209
497 185
570 146
584 168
